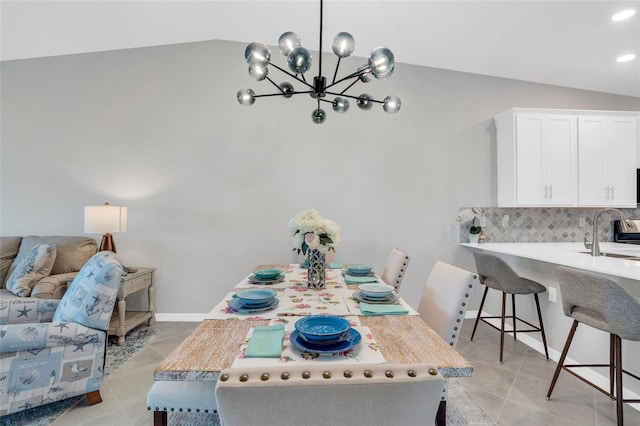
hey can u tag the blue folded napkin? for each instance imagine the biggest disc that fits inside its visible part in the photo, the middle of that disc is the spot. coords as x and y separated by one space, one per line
374 309
266 342
335 265
352 279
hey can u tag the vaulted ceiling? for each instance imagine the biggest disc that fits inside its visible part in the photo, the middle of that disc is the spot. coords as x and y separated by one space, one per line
566 43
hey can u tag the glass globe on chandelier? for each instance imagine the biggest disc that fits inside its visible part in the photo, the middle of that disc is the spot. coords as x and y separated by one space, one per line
379 66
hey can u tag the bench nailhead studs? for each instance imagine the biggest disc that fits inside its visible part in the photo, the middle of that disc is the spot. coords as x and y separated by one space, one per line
411 373
306 374
224 377
244 378
285 376
348 374
189 410
173 409
368 374
326 374
264 377
433 371
389 374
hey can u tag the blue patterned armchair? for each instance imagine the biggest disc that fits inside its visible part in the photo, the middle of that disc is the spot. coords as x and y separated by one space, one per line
51 350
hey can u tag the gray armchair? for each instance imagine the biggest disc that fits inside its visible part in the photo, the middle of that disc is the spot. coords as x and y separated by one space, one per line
54 349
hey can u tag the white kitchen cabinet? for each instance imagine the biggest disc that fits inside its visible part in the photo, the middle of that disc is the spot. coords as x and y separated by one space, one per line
607 161
537 159
554 157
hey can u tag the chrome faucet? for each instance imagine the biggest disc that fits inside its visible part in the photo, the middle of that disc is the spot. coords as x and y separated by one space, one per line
595 245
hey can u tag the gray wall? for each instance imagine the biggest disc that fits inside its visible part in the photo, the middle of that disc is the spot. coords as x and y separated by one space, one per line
210 185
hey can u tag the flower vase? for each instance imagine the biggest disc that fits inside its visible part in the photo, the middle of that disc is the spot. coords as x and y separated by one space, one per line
473 238
317 264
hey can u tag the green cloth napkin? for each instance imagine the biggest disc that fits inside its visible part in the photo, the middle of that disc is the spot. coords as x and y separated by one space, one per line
352 279
266 342
372 309
335 265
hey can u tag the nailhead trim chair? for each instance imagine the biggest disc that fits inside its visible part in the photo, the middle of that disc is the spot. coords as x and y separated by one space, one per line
320 395
601 303
395 268
495 273
444 303
168 396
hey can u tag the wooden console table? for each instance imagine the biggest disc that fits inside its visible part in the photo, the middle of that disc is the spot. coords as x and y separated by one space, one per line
125 320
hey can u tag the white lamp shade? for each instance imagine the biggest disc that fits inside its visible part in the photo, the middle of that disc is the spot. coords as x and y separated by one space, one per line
105 219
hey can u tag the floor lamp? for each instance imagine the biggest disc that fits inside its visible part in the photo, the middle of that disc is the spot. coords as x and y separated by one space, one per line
105 219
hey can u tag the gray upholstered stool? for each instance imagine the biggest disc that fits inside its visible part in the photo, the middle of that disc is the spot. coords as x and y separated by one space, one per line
603 304
165 396
495 273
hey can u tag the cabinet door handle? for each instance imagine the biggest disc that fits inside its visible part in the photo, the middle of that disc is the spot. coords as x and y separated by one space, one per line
607 196
613 194
550 191
546 191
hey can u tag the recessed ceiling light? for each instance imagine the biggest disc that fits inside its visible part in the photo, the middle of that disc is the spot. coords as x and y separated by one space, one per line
626 58
625 14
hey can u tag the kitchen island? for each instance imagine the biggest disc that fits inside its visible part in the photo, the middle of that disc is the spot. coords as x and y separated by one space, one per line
538 262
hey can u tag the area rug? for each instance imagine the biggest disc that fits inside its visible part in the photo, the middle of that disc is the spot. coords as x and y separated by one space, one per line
462 410
116 356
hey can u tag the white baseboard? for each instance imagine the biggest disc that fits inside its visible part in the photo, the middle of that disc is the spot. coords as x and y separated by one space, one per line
588 373
180 317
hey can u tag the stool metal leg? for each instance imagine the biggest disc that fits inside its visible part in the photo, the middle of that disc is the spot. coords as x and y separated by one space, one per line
544 337
565 350
484 296
612 362
618 368
504 303
513 309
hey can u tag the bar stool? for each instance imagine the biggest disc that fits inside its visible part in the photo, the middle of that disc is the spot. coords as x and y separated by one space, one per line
601 303
495 273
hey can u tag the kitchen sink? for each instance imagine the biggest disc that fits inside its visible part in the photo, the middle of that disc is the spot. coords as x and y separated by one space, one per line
616 255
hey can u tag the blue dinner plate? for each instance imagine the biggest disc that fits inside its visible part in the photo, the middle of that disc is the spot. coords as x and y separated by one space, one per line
267 274
392 298
254 279
359 269
349 343
237 306
257 296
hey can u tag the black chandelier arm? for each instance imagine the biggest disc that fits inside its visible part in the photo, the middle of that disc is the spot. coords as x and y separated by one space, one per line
354 97
281 94
294 76
335 74
356 74
272 82
350 85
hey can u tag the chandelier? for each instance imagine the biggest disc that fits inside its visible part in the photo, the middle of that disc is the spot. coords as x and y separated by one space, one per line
379 66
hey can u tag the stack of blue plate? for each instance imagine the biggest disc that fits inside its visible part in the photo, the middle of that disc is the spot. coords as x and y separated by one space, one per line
376 293
267 276
324 335
360 270
252 301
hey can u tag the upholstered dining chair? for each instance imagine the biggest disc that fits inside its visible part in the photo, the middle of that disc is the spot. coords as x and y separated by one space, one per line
496 274
601 303
395 268
357 395
54 349
444 303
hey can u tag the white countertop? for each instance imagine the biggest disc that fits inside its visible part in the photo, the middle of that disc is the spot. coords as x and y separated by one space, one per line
569 254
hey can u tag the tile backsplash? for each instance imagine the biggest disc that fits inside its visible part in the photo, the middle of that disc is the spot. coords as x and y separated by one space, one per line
545 224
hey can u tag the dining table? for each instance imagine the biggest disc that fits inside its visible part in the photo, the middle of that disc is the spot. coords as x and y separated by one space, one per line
216 343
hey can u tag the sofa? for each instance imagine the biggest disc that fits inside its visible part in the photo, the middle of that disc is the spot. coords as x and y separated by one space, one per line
68 255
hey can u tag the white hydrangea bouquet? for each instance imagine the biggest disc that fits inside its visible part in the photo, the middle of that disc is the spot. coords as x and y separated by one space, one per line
310 231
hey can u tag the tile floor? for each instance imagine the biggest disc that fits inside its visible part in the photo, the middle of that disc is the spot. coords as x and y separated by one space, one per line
512 393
